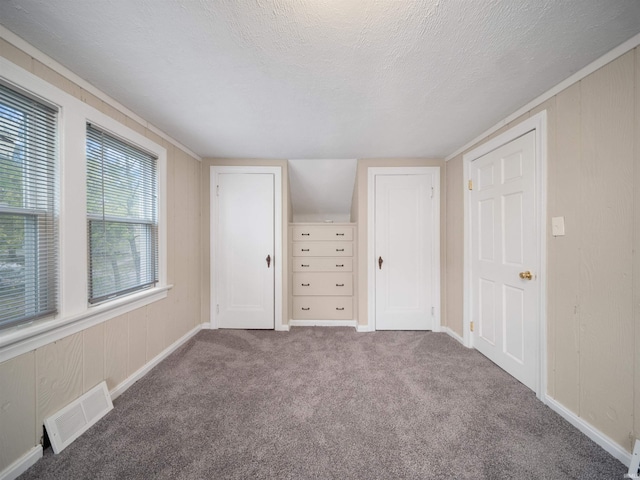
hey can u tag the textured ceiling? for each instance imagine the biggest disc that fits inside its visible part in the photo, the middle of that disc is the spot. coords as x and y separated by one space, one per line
323 78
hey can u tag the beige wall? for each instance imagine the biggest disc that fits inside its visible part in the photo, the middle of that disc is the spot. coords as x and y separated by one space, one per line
38 383
359 212
593 312
593 297
205 286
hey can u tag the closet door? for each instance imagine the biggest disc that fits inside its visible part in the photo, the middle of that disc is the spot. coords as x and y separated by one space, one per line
406 263
244 255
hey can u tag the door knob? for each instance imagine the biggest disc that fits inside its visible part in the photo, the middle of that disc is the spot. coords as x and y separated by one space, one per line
268 261
526 275
380 262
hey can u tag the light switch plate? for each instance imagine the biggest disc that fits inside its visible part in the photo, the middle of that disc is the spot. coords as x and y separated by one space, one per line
557 226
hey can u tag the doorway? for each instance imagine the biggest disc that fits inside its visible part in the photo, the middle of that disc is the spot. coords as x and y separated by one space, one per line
504 267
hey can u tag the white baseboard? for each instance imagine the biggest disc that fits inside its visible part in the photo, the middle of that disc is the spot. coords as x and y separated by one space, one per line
21 465
590 431
364 329
322 323
122 387
452 334
278 328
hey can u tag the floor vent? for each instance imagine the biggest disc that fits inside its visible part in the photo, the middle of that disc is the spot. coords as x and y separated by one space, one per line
76 418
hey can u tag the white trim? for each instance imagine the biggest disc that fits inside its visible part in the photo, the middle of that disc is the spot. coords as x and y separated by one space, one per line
277 224
608 57
322 323
213 278
590 431
282 327
134 377
538 123
30 50
206 326
23 339
452 334
372 172
634 463
364 328
21 465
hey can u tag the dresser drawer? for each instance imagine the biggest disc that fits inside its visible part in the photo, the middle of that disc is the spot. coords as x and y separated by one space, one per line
322 249
323 264
322 284
322 308
324 232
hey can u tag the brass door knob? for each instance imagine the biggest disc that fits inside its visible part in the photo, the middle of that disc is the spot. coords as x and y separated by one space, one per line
526 275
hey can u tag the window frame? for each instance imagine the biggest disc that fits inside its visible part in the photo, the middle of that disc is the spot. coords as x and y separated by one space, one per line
74 313
150 223
41 214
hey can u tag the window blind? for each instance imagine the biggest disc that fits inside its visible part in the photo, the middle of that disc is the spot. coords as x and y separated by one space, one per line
122 217
28 224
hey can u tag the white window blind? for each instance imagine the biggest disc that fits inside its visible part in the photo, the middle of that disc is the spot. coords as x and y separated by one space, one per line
122 217
28 225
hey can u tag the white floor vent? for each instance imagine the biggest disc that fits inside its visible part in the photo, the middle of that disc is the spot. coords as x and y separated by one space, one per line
76 418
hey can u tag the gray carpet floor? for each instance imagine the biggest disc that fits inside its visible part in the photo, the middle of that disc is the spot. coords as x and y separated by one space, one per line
328 403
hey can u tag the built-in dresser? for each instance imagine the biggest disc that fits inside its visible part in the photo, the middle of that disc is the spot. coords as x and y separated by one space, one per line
322 272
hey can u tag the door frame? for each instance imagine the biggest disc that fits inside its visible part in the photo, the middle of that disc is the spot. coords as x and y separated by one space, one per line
371 253
278 255
537 123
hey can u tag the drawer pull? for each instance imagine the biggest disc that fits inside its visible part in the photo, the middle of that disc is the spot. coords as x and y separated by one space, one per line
305 234
305 284
303 265
339 284
305 249
340 234
340 266
307 308
339 308
339 249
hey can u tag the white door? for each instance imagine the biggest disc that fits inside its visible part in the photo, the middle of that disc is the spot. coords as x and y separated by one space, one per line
504 254
244 260
407 272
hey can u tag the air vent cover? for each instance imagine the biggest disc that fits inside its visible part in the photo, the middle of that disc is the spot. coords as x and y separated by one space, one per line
76 418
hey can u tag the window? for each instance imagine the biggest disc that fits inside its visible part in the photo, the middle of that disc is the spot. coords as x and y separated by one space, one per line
28 226
122 217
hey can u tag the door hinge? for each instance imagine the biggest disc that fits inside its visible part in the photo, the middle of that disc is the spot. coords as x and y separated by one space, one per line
217 308
433 311
217 190
470 184
431 192
471 326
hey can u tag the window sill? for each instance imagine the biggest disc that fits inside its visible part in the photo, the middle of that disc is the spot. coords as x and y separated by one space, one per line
25 338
